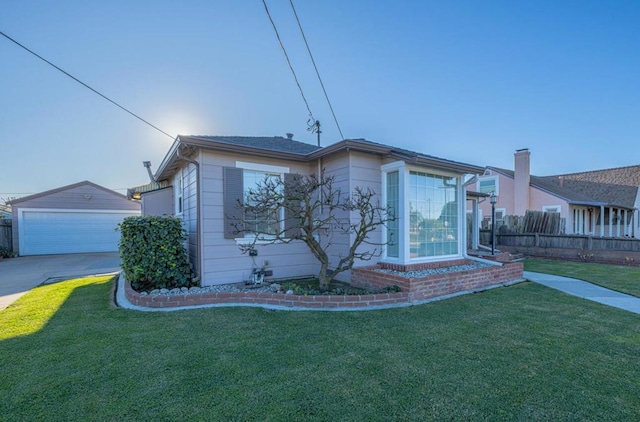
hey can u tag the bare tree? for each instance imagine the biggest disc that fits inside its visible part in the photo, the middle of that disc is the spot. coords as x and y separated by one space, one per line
313 210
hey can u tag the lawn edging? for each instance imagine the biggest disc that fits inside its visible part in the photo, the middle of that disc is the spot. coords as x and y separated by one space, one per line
261 299
128 298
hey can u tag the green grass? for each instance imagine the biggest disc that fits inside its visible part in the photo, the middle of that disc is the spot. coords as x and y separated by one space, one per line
621 278
523 352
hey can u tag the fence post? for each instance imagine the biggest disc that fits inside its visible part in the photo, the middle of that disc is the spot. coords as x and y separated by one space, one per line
537 241
589 243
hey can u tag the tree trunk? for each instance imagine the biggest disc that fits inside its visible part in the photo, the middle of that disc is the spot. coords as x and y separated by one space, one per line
323 277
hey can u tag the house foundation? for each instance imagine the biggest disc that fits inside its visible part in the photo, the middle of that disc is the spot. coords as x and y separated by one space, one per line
421 285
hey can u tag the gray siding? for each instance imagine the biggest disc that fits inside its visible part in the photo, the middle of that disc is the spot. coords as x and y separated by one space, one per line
223 261
351 170
189 214
338 166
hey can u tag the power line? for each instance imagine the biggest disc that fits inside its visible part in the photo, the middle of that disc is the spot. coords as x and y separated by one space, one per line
86 86
316 68
288 61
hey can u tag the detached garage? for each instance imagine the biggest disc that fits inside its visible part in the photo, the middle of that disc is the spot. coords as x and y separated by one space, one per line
78 218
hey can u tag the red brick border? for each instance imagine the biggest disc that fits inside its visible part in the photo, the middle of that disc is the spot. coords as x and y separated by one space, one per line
413 290
422 288
271 299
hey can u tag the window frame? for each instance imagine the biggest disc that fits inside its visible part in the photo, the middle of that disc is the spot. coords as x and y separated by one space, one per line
280 171
404 171
179 193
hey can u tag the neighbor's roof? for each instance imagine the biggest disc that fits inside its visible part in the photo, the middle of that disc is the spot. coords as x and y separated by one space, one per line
611 187
615 186
290 149
63 188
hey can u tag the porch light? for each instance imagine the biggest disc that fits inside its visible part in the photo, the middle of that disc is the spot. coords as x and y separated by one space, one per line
493 199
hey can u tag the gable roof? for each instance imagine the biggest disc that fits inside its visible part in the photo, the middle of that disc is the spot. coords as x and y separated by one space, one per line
617 187
63 188
290 149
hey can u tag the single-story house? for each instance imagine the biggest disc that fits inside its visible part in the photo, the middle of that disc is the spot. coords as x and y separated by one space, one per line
78 218
208 175
598 203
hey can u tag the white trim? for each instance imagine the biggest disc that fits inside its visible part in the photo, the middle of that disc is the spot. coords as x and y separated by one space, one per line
435 172
267 168
400 167
404 170
179 193
392 166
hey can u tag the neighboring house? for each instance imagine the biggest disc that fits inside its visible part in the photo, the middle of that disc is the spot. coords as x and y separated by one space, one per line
78 218
5 211
210 175
599 203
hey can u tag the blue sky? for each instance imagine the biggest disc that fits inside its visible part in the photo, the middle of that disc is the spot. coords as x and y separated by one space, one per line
464 80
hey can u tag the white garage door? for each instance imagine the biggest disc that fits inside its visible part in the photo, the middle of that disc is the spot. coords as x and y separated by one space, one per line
59 232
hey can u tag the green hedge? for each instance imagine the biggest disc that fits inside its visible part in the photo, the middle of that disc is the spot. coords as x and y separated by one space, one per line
153 254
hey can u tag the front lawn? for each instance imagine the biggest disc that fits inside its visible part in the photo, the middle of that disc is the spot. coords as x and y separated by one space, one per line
621 278
523 352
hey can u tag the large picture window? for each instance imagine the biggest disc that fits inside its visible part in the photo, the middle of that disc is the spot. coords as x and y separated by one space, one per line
433 215
427 207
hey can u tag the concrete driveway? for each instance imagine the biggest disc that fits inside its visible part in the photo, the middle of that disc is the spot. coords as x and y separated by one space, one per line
19 275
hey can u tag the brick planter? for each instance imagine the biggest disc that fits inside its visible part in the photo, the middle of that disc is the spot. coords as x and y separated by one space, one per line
333 302
435 285
413 289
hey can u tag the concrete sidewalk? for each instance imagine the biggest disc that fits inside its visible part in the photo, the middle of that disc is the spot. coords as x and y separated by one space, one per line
19 275
586 290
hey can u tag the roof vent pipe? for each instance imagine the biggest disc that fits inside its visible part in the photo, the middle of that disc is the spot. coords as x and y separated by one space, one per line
290 136
147 165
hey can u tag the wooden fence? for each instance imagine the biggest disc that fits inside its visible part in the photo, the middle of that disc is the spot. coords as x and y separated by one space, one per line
533 222
579 242
6 234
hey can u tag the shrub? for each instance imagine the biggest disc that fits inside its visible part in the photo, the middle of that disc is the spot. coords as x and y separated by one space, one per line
153 253
5 252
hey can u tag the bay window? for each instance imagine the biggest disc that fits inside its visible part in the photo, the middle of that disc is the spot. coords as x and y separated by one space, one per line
426 205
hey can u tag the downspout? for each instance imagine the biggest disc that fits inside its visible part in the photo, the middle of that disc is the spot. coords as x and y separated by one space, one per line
198 225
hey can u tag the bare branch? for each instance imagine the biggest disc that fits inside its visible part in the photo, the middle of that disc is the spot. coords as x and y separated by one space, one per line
313 210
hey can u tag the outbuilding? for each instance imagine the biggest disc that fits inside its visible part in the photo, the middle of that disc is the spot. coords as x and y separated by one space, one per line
78 218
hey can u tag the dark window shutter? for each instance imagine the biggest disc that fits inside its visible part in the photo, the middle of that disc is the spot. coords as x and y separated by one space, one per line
291 223
233 197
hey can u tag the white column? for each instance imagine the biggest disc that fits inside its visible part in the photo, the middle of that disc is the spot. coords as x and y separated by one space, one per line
601 220
610 222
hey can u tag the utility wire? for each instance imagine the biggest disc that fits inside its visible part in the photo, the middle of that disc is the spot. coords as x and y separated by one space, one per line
87 86
288 61
316 68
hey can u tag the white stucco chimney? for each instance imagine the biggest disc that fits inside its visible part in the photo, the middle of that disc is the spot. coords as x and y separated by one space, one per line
521 179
